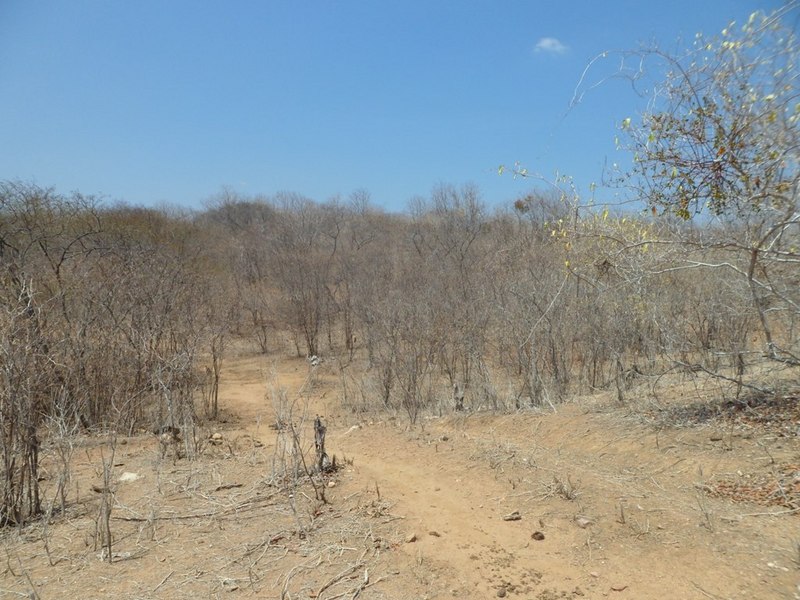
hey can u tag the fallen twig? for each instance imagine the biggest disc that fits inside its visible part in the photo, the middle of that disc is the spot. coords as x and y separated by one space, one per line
243 506
339 577
705 593
163 581
779 513
358 590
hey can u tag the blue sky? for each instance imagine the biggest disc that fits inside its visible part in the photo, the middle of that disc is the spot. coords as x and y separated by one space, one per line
168 101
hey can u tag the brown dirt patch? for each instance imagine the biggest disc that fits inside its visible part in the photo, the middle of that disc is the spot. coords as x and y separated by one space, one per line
622 509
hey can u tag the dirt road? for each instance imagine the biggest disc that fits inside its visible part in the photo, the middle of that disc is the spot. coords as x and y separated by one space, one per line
619 506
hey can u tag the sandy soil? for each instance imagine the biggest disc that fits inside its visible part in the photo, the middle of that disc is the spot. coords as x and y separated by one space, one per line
589 502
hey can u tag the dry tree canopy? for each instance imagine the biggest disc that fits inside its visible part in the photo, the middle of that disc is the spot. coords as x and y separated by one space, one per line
721 140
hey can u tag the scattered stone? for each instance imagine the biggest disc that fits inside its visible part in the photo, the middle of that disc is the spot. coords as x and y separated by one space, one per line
514 516
352 429
538 536
444 438
583 522
716 437
411 538
435 533
216 436
501 593
594 574
128 476
619 588
331 484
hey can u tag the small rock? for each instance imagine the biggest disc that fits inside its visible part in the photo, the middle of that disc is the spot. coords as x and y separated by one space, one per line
501 593
435 533
583 522
128 476
331 484
538 536
216 436
594 574
716 438
411 538
514 516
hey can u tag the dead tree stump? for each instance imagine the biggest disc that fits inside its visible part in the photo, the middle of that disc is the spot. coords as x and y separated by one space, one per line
323 462
458 396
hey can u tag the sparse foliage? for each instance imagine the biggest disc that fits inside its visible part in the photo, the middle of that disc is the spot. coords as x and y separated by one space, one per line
720 142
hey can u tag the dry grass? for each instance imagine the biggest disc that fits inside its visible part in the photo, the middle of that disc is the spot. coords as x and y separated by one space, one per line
222 529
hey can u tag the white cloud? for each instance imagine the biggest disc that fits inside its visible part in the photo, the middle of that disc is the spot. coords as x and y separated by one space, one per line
550 45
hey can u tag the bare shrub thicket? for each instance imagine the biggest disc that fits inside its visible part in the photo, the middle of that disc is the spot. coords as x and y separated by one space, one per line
101 326
113 317
454 306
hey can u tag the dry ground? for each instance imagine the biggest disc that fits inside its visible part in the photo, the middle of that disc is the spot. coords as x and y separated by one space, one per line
594 501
